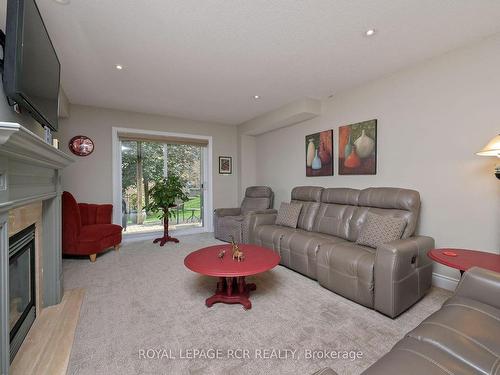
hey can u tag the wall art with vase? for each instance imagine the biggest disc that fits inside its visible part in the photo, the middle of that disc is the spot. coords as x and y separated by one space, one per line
319 154
358 148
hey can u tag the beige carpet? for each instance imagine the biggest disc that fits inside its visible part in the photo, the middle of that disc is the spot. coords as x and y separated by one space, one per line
143 298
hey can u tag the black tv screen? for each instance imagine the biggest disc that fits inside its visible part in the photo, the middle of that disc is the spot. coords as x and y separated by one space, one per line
31 67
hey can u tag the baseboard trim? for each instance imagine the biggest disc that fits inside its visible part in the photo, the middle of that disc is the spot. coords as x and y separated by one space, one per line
135 237
445 282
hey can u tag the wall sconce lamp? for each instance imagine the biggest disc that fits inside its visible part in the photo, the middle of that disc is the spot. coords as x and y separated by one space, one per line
492 149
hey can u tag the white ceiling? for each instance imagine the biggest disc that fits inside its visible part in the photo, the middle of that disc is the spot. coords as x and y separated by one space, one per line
205 59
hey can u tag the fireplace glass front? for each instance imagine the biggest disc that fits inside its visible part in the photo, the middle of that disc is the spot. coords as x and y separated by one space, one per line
21 286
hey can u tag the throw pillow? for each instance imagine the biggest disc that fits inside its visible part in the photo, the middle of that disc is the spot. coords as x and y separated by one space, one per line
288 214
380 229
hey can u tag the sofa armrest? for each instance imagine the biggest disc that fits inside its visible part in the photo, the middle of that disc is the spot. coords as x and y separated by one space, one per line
227 211
257 220
247 222
266 211
95 213
481 285
219 213
403 273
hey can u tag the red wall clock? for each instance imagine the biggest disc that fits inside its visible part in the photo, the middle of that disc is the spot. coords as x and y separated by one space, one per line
81 145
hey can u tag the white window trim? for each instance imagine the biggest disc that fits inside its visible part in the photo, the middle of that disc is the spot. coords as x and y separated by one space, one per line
117 175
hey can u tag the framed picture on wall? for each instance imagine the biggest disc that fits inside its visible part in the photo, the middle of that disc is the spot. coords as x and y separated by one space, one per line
319 154
358 148
81 145
225 165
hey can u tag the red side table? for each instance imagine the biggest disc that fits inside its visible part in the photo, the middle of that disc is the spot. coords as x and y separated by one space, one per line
232 287
463 259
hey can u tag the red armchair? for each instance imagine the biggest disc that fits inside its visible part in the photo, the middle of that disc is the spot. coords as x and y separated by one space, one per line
87 228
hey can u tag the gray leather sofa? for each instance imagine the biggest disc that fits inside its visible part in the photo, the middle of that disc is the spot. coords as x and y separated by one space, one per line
463 337
388 279
234 222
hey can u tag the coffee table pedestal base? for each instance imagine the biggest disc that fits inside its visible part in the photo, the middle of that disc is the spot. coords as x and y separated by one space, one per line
232 290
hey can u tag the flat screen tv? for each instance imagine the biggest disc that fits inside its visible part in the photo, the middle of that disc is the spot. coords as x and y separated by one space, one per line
31 67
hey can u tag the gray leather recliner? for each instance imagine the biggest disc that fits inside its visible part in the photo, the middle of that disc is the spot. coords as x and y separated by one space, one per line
462 338
323 247
234 222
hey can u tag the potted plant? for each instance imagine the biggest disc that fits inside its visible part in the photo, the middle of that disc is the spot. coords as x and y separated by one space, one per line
164 195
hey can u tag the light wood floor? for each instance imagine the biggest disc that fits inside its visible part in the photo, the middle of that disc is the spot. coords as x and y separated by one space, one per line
47 346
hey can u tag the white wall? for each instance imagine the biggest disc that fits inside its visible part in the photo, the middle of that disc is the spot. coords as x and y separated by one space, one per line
90 177
248 163
431 120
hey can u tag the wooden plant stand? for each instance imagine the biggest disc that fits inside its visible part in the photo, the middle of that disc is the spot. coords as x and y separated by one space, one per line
166 237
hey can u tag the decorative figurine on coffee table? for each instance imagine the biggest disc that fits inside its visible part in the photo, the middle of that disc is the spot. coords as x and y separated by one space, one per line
237 253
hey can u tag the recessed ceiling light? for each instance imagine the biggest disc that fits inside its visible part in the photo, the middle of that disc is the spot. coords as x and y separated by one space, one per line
370 32
119 67
256 97
62 2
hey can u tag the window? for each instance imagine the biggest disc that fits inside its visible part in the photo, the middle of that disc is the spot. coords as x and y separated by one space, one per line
143 161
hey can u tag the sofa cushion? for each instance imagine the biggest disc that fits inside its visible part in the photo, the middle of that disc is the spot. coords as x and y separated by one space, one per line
334 219
452 329
259 192
288 214
298 250
94 238
254 204
270 235
72 221
347 269
307 193
345 196
344 211
394 202
230 226
307 214
94 232
380 229
413 357
308 196
95 213
338 207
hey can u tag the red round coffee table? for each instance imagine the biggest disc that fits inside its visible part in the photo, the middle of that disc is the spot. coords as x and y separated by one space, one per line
463 259
231 287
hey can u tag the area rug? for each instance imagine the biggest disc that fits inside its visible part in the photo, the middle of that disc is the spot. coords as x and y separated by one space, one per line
144 313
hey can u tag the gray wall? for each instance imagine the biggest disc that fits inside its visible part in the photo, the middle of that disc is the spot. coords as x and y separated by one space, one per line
431 119
7 114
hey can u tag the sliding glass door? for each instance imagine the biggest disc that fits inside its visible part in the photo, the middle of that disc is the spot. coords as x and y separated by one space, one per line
143 162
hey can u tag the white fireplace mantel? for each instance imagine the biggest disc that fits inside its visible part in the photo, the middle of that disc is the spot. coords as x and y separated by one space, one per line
18 142
29 172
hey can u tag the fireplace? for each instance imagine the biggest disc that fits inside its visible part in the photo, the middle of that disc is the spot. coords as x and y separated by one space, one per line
22 286
30 193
